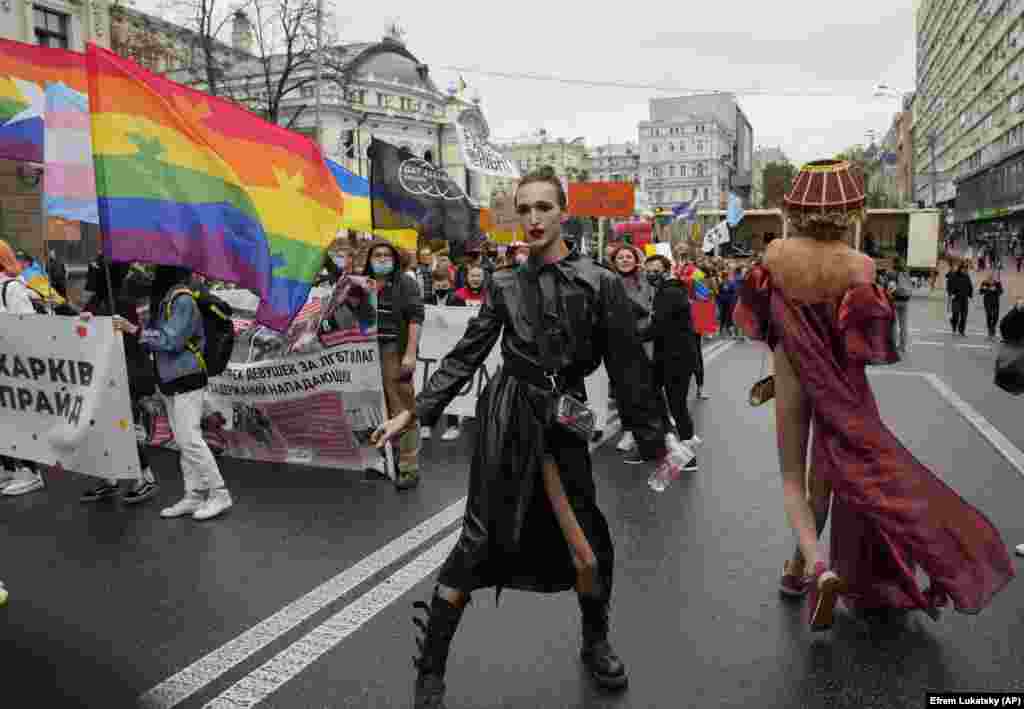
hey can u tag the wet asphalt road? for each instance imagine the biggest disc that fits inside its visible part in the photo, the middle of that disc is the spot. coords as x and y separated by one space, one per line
108 602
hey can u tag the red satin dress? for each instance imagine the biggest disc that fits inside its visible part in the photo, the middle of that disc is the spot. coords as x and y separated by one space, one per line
890 514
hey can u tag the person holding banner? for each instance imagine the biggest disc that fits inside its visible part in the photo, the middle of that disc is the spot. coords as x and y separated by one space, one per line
532 522
175 336
18 477
399 317
139 369
443 295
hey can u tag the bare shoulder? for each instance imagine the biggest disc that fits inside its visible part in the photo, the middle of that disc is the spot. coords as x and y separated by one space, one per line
862 269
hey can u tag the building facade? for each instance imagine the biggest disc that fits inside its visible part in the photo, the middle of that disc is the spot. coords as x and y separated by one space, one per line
570 158
372 90
64 24
695 148
969 101
616 162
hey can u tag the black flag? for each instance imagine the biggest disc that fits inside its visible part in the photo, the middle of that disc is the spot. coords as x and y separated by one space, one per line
407 192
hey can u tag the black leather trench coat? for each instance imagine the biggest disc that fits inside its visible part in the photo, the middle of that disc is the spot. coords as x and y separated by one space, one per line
510 536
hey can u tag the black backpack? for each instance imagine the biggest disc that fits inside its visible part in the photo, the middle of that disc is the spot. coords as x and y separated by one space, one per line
218 328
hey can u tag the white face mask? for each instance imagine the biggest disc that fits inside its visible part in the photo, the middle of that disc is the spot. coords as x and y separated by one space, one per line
521 258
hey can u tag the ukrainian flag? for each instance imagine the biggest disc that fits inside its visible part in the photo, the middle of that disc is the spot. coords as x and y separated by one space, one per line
356 193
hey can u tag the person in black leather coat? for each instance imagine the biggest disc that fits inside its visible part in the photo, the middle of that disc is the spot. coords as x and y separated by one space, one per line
513 533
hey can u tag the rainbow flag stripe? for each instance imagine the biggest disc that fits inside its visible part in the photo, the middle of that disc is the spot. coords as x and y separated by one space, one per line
184 178
25 72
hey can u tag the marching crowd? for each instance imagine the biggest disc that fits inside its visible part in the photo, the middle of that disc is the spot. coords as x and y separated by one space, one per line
532 521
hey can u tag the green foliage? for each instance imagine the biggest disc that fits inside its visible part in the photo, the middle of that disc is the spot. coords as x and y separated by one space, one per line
778 180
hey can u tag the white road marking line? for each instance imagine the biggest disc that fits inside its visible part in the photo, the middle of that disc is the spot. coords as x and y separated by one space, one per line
271 676
202 672
1011 453
927 342
182 685
976 347
283 667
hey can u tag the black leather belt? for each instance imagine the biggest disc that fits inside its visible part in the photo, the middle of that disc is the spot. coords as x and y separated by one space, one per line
533 373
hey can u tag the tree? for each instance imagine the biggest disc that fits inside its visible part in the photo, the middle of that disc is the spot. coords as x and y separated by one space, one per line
778 180
277 59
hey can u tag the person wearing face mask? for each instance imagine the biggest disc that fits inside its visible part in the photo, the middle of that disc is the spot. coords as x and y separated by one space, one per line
675 355
626 262
399 318
444 295
473 292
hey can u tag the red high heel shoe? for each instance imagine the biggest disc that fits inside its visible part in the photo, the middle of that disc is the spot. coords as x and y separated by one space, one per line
825 589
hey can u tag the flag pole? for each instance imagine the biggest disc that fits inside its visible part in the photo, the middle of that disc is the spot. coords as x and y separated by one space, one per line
319 69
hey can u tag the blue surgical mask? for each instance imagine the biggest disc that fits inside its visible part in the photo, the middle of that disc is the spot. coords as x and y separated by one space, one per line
382 268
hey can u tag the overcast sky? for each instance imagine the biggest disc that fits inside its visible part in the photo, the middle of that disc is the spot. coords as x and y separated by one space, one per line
835 51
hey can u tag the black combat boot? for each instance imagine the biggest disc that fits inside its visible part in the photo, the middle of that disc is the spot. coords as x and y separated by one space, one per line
600 660
442 622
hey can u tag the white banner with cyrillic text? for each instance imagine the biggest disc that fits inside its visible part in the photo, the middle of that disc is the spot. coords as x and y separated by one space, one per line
64 397
443 328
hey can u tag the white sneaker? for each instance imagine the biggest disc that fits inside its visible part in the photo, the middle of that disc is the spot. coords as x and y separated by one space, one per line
25 481
693 442
1020 549
187 505
627 443
424 433
218 501
451 434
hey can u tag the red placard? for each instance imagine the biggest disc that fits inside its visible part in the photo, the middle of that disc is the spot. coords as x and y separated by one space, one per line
601 199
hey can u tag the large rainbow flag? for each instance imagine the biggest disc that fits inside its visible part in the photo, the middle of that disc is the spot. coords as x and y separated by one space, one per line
184 178
25 73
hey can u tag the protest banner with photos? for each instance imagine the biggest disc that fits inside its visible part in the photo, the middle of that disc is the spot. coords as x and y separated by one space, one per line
311 396
443 327
70 409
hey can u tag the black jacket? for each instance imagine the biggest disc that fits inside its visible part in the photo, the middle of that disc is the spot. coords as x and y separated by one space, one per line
406 301
671 328
959 285
991 292
515 428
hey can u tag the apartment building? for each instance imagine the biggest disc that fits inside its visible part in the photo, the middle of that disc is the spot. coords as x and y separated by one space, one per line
695 148
968 108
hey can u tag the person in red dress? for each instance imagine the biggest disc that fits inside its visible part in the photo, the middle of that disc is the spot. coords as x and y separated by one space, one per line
813 300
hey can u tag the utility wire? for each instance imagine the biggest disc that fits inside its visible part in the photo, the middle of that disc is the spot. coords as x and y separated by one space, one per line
667 88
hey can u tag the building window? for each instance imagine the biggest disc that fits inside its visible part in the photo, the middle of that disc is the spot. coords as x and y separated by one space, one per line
700 170
51 27
654 148
383 100
700 146
682 170
671 170
705 194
